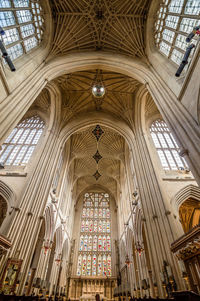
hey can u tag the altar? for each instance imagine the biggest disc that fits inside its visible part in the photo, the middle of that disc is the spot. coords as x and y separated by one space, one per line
86 288
92 297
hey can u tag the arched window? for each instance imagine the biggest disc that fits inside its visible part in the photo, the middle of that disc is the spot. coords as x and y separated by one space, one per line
22 141
166 146
94 256
23 24
176 18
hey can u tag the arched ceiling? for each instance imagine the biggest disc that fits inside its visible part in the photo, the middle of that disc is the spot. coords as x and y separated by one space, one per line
116 26
42 102
151 109
77 94
111 148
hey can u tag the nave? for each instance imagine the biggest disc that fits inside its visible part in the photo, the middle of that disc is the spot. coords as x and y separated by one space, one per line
99 150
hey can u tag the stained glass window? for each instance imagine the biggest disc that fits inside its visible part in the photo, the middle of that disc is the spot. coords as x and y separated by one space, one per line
79 266
90 243
84 264
175 20
166 146
20 144
81 243
99 265
89 264
23 23
104 265
94 256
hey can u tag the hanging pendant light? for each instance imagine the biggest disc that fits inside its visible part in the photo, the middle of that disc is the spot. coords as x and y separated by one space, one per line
127 260
98 89
138 248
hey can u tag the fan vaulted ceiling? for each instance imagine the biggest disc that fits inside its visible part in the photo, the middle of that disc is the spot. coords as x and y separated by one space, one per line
110 146
77 98
109 25
77 94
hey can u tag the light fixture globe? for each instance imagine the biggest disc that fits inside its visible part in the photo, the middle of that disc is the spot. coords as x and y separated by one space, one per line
98 90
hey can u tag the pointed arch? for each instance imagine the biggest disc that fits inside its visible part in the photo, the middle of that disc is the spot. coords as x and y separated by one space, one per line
8 194
49 224
190 191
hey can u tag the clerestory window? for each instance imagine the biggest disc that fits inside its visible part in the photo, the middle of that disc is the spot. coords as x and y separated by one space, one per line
166 146
19 146
175 19
94 256
22 21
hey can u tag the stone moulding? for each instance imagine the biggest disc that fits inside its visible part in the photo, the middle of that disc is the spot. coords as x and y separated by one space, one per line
5 243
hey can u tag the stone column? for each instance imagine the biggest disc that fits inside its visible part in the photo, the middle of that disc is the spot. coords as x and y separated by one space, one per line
25 226
160 227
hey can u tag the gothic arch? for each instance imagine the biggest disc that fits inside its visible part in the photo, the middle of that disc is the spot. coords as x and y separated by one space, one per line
190 191
9 197
118 63
8 194
94 118
93 188
89 60
28 91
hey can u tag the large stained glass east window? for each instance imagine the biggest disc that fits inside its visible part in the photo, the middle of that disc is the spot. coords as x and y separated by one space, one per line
94 256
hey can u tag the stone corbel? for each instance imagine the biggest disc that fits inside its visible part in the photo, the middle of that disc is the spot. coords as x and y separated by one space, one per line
54 198
17 209
183 152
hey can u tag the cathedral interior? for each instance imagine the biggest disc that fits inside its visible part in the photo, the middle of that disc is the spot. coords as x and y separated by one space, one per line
99 149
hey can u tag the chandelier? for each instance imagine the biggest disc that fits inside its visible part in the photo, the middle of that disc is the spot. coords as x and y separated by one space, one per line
138 248
98 89
127 260
58 259
46 246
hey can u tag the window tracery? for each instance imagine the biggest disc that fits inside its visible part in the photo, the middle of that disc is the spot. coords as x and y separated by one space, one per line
20 144
175 20
23 23
94 258
166 146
